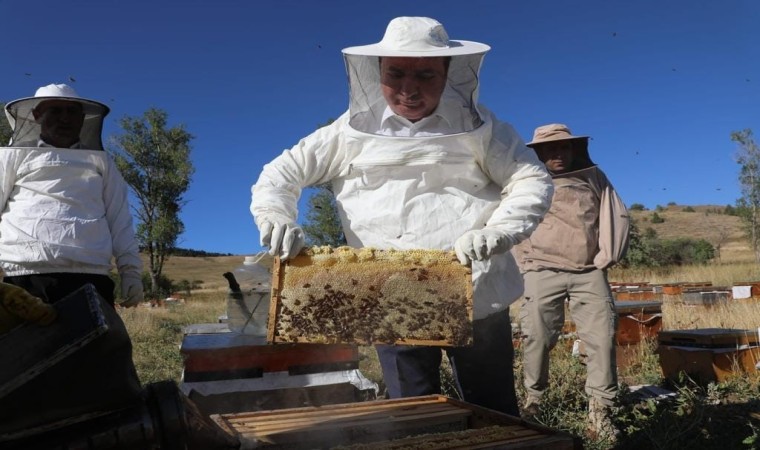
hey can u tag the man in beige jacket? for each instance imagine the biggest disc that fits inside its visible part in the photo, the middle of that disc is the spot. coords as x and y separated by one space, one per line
566 258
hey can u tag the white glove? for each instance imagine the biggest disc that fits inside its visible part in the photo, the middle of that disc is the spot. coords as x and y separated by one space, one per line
478 245
131 290
284 239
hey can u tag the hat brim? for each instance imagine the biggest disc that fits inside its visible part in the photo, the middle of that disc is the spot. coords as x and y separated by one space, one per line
546 141
23 106
455 48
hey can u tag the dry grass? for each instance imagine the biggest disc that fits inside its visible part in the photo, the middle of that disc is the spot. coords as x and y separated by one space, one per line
156 333
208 270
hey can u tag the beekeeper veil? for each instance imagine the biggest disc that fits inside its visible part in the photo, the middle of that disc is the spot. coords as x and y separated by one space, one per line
413 37
26 130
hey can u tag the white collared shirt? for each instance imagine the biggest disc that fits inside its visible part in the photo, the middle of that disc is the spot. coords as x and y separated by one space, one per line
42 143
447 118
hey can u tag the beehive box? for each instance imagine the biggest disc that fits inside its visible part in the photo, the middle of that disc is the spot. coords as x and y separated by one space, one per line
220 356
618 285
678 287
637 321
228 372
708 354
638 294
368 296
431 422
747 289
705 296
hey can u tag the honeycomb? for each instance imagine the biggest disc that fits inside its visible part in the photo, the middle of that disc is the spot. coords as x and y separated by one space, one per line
369 296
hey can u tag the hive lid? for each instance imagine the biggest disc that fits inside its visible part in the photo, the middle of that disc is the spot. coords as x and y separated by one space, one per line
709 337
633 307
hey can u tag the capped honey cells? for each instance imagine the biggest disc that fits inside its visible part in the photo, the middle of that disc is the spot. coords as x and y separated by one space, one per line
368 296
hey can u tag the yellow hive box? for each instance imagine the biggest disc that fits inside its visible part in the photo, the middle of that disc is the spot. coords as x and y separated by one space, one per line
367 296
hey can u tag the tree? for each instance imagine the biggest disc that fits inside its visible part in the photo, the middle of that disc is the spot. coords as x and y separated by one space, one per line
323 225
748 157
155 162
5 128
640 247
637 207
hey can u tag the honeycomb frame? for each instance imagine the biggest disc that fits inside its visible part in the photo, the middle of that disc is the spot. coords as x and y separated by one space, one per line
370 296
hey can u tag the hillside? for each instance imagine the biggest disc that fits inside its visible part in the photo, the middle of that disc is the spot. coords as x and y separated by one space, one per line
722 231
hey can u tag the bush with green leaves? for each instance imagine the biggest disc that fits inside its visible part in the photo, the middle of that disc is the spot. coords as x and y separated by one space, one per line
648 250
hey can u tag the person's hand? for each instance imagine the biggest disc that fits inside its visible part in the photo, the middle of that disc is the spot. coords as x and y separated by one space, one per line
131 290
283 239
478 245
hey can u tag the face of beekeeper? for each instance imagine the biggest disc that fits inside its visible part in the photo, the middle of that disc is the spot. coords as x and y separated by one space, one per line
60 122
413 86
557 156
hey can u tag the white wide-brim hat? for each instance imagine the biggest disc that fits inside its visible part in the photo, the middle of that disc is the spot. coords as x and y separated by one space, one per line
23 106
417 37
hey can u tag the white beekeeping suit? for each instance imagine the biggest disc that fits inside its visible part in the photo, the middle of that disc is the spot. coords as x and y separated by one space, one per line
64 210
472 176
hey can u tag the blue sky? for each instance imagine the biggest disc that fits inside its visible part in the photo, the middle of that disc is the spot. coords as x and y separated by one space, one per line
658 85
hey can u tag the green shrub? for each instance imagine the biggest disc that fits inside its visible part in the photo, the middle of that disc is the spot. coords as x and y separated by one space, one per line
637 207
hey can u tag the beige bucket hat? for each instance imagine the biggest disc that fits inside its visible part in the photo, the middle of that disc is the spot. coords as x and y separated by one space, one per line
552 132
417 37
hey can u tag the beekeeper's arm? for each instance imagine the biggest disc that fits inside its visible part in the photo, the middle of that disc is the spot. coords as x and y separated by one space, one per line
614 226
315 159
8 167
526 195
125 247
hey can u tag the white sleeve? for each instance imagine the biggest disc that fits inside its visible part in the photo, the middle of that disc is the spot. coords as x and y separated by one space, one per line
527 186
316 159
8 167
125 247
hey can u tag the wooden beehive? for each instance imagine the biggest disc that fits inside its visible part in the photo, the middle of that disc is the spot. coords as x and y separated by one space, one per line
637 320
220 356
705 296
678 287
708 354
412 423
367 296
754 287
638 294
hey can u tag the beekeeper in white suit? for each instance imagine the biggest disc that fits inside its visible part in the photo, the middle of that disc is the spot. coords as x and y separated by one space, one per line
416 163
64 212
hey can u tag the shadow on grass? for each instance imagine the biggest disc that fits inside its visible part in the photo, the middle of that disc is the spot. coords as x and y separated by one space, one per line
690 423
